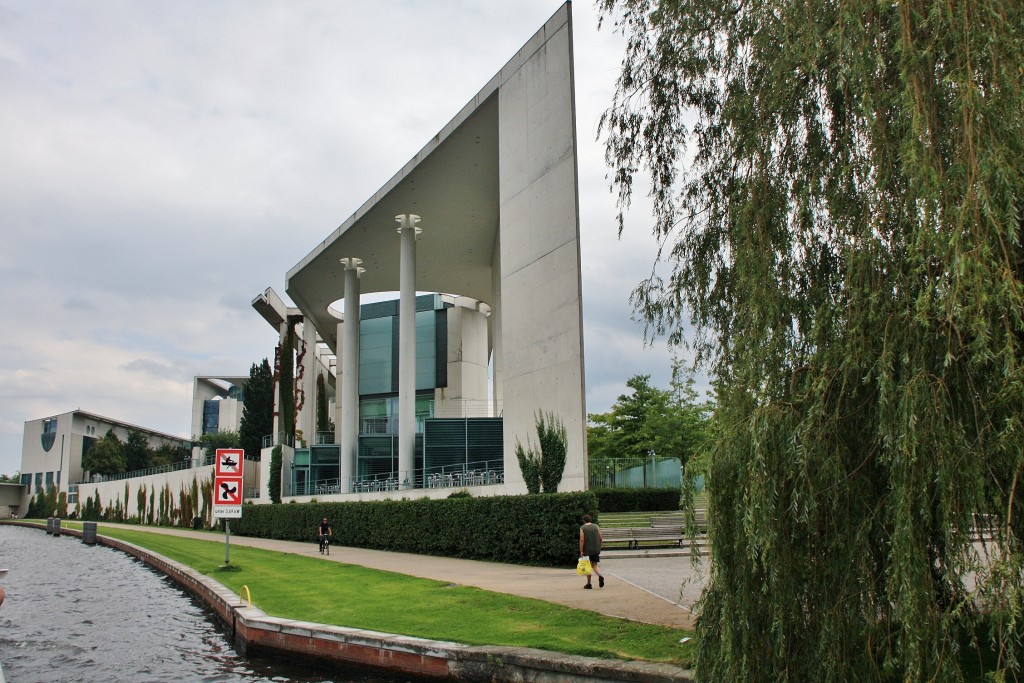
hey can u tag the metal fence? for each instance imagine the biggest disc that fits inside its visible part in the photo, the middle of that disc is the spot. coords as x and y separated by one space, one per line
636 473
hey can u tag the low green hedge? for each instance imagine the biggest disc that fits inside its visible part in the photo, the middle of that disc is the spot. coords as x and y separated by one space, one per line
637 500
536 530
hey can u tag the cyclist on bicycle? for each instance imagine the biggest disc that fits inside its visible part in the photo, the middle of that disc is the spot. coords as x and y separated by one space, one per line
323 534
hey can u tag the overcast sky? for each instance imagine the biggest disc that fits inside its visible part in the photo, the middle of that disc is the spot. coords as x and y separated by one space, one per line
162 163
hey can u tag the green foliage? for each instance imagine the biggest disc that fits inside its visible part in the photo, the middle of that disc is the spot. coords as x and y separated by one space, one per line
838 190
137 453
537 530
323 420
11 478
257 409
670 423
223 439
530 466
274 480
168 454
105 456
544 466
285 360
140 503
552 439
637 500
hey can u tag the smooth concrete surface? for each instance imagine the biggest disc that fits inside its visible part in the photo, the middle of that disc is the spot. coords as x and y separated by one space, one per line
254 630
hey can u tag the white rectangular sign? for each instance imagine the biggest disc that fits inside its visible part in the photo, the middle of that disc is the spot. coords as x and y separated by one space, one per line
227 511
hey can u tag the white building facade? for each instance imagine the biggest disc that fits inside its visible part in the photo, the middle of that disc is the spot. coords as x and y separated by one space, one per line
487 214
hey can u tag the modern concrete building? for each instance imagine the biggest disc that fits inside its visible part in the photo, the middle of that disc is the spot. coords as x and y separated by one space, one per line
486 213
457 429
53 447
217 402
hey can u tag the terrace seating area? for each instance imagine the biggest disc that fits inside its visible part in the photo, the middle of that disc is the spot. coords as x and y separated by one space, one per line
457 479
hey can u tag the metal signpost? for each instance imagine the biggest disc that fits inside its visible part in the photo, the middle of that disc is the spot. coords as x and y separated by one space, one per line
227 491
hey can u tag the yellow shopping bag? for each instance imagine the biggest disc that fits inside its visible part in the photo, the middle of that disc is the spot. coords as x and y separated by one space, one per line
583 567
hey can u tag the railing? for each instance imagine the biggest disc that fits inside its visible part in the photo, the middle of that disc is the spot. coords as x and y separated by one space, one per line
279 438
173 467
387 425
638 472
325 438
483 473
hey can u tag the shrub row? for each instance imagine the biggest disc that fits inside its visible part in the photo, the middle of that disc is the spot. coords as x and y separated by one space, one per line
536 530
637 500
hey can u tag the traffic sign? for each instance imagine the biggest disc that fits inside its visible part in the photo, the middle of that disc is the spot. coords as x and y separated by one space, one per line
229 462
229 491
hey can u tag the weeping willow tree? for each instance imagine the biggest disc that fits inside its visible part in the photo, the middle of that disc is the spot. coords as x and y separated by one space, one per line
837 190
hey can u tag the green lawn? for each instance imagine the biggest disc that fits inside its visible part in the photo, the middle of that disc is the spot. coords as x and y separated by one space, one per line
308 588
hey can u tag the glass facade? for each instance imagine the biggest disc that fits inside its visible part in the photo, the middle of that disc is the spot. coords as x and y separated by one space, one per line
375 357
211 416
462 446
378 346
49 433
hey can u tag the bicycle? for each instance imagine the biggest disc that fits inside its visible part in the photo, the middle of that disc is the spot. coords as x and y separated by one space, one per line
325 545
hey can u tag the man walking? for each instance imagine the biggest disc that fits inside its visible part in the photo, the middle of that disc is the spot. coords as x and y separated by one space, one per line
590 546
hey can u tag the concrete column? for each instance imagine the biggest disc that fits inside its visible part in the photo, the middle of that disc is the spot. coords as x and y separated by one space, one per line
407 348
338 416
350 375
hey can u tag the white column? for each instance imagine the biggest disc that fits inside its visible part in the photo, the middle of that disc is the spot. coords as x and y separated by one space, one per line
338 415
407 349
350 375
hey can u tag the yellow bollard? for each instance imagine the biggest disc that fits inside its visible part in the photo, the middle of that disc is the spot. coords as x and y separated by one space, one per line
248 597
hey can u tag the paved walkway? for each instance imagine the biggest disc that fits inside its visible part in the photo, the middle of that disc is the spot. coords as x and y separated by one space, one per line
645 589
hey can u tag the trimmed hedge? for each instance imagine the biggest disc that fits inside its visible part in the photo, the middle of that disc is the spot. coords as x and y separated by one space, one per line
637 500
536 530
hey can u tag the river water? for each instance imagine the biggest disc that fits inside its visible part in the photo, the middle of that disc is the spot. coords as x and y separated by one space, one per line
75 613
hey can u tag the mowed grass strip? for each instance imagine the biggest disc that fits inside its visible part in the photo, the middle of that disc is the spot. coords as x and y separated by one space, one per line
327 592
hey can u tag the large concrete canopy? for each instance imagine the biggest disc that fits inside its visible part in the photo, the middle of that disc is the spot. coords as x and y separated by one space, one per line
452 183
497 193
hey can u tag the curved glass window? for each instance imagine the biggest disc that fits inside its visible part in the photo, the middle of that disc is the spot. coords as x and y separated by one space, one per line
49 434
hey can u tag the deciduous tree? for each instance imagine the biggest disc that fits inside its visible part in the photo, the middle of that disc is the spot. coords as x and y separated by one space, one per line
838 189
105 456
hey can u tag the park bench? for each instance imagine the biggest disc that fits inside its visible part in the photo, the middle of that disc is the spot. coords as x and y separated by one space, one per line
658 534
617 535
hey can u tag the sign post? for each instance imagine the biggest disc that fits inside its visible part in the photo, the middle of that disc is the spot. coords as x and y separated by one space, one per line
227 491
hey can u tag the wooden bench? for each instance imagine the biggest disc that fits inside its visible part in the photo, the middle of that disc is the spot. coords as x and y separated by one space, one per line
659 534
617 535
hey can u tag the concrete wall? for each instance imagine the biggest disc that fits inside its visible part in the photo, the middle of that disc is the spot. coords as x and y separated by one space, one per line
65 455
110 492
541 326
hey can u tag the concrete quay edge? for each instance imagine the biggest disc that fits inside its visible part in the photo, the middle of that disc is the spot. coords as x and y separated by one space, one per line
252 630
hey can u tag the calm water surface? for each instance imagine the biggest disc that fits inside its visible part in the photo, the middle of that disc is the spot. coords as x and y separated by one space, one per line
88 613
